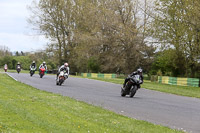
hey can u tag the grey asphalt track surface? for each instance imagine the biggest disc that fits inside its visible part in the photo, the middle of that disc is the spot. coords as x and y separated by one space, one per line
177 112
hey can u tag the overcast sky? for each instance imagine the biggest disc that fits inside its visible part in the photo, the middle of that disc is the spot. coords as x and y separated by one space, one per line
15 32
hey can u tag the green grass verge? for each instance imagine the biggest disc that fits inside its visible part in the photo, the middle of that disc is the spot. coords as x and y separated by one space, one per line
14 71
26 109
172 89
22 71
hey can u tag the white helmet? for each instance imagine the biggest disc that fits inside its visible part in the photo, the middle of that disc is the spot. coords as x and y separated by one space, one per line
139 71
44 63
66 64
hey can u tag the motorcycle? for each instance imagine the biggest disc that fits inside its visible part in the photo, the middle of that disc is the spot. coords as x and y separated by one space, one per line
5 69
42 71
61 78
32 71
18 69
131 86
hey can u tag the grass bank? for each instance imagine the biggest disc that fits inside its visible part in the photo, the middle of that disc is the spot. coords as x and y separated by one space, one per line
172 89
22 71
14 71
26 109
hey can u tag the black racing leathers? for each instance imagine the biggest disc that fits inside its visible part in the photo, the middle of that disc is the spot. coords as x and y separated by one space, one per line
127 79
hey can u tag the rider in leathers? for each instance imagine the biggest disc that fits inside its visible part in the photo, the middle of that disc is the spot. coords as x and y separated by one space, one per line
139 71
18 65
64 68
33 65
43 65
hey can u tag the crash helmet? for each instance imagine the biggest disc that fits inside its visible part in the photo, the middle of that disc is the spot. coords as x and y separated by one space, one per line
18 63
65 64
33 62
139 71
44 63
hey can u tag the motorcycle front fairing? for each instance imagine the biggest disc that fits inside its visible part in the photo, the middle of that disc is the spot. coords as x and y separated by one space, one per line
136 80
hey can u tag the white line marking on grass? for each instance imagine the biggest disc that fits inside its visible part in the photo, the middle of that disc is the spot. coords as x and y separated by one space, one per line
12 77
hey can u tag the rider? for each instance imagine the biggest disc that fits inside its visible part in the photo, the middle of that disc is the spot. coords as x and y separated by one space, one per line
18 65
64 68
43 65
5 67
33 65
139 71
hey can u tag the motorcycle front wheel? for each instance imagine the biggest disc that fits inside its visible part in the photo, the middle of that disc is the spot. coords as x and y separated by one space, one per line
133 91
41 75
123 94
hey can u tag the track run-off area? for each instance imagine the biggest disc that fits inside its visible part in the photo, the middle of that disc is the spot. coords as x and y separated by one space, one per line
177 112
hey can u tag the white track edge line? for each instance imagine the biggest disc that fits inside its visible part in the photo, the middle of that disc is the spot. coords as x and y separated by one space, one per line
12 77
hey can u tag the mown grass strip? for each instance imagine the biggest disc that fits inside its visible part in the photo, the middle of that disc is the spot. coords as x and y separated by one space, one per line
172 89
14 71
26 109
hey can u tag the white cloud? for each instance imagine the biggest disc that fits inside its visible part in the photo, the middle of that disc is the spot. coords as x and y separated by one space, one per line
14 27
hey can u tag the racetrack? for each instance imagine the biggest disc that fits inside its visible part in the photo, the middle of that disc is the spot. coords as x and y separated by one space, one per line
164 109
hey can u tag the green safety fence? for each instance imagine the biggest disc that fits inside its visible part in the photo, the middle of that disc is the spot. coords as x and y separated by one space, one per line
98 75
179 81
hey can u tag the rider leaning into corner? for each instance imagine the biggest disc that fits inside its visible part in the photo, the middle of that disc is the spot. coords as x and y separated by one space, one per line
64 68
33 65
43 65
139 72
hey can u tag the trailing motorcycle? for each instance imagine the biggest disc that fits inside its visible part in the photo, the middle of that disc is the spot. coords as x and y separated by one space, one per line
131 86
42 72
32 71
61 78
5 68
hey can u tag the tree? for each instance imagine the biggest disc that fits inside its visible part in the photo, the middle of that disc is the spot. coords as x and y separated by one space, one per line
4 51
55 21
107 30
176 26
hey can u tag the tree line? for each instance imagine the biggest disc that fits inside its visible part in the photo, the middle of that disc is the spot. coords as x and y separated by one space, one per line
176 26
118 36
94 36
25 59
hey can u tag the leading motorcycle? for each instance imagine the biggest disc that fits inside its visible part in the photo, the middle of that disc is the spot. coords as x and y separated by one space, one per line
131 86
61 78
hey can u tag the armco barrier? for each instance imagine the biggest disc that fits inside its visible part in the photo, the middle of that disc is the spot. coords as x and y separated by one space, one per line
172 81
165 80
193 82
179 81
182 81
98 75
